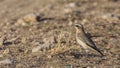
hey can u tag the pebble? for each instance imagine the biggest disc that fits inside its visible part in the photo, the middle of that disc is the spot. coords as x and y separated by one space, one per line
6 61
110 15
72 5
1 41
6 51
27 20
40 47
1 55
49 56
69 8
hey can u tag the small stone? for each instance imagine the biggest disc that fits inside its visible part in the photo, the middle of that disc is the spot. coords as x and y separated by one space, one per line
110 15
6 51
21 22
67 10
26 51
72 5
36 49
1 55
69 66
84 20
23 40
70 23
27 20
40 47
30 18
49 56
6 61
1 41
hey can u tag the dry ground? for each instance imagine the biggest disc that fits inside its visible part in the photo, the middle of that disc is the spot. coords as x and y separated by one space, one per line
101 18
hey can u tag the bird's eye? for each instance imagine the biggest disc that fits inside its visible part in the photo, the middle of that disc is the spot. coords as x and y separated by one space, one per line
77 25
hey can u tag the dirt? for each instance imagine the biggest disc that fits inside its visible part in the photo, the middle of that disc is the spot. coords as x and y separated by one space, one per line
52 18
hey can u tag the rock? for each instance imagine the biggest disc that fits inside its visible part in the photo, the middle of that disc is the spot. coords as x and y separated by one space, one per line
110 15
69 8
49 56
23 40
26 51
21 22
2 40
27 20
6 61
31 18
6 51
69 66
1 55
72 5
49 39
41 47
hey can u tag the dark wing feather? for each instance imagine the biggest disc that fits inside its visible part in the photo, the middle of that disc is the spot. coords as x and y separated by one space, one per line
89 42
83 37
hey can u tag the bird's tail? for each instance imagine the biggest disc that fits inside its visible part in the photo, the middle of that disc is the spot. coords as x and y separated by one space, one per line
99 51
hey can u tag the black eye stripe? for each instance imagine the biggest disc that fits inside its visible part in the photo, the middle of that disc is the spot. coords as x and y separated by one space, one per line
77 26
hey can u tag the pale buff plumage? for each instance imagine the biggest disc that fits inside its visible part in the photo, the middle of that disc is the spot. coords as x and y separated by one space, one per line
83 40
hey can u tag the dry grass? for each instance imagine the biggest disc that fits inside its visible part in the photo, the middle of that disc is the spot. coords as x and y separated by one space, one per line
62 48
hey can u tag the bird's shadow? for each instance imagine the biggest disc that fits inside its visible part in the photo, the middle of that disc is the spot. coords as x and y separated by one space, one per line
78 55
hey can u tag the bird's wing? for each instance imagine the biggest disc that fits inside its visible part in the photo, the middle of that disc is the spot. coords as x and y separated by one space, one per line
89 42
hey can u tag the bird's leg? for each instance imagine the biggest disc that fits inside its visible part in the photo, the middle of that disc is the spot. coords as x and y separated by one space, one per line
86 53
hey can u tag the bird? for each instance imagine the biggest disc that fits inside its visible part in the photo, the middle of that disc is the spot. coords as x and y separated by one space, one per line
85 41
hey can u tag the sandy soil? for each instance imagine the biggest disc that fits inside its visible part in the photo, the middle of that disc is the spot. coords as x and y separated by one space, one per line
28 28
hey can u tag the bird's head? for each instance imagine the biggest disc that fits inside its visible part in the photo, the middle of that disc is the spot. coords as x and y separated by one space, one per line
78 26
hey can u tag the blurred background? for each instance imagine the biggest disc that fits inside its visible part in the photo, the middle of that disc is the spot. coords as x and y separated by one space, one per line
30 29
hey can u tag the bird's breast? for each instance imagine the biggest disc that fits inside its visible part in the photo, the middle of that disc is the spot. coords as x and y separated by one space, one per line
83 44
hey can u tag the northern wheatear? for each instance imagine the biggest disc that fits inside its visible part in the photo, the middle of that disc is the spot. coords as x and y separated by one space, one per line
83 40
